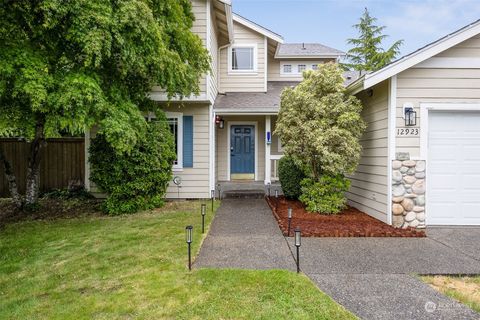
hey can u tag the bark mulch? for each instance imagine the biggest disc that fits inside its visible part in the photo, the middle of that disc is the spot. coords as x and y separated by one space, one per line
350 222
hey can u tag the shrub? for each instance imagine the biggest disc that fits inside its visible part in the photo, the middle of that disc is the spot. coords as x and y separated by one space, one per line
326 195
137 180
290 175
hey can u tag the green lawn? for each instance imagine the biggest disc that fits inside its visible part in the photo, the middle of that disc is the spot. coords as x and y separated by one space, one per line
135 267
463 289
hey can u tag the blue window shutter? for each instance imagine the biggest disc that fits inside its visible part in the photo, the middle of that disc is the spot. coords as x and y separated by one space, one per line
187 141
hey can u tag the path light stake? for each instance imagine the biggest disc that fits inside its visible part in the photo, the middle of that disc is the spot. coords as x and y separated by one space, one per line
268 186
213 197
276 199
219 192
204 212
289 220
298 243
188 238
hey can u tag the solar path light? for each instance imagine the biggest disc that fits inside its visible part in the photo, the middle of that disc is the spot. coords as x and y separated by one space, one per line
212 197
204 212
298 243
289 220
188 239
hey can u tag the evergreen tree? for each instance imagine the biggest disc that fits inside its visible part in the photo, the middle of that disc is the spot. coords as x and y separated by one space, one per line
367 53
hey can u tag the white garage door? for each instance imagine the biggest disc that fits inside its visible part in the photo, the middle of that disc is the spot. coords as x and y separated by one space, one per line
453 179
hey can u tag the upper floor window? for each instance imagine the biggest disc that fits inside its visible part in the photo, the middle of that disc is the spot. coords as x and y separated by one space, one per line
287 68
243 58
314 66
301 68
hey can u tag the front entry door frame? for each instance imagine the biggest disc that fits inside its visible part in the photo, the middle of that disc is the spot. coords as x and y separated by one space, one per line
229 128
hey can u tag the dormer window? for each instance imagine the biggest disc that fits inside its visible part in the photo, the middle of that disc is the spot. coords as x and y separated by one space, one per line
242 58
302 67
314 66
287 68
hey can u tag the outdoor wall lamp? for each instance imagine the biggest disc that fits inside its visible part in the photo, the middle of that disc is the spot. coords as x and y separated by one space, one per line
410 117
219 122
204 212
188 239
298 243
289 220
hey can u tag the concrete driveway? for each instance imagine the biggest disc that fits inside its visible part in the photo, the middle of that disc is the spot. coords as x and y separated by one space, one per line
375 277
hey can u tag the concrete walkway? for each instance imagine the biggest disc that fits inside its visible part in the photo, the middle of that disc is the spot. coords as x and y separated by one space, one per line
245 235
372 277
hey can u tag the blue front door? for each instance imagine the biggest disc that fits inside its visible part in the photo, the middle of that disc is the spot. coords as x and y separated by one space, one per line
242 152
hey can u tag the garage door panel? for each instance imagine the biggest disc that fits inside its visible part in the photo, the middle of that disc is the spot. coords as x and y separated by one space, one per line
453 186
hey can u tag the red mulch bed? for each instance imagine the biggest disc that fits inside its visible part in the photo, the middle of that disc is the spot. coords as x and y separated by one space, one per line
349 223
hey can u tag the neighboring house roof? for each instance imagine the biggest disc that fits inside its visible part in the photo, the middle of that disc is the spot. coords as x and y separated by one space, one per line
306 50
258 28
418 56
253 102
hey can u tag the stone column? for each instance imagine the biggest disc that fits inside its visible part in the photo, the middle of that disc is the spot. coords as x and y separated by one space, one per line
408 192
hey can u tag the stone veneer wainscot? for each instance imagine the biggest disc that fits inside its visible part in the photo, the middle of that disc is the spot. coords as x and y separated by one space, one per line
408 192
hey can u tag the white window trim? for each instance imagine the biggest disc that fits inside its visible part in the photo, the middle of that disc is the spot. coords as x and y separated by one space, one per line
295 64
279 145
179 117
255 59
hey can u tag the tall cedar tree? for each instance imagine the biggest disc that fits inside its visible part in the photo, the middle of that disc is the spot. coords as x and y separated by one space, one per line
367 53
67 65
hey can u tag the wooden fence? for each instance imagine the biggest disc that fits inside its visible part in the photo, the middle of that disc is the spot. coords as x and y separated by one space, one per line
63 160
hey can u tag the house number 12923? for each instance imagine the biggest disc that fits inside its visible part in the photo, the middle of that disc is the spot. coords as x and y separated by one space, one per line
408 132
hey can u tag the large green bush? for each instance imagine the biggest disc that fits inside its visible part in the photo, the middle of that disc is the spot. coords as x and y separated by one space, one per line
137 180
325 196
290 175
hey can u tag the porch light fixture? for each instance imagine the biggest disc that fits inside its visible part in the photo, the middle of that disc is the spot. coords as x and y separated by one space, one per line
188 239
204 212
298 243
219 122
289 220
410 117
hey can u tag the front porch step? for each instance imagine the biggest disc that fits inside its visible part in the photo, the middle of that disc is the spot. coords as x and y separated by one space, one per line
243 194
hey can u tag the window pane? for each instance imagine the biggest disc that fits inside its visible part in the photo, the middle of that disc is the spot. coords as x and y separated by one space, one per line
287 68
314 66
242 58
173 124
301 67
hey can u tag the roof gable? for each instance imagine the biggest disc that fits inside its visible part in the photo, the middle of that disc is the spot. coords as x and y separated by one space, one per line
258 28
422 54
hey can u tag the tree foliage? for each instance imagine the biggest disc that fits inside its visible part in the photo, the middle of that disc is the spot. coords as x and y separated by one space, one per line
135 181
320 124
67 65
367 53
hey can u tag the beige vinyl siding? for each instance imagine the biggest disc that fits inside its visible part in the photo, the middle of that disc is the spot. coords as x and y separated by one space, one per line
274 68
237 82
422 85
368 191
195 180
222 152
199 8
213 49
275 138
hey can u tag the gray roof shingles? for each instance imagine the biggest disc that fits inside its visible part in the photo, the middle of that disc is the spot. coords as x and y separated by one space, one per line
263 101
306 49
